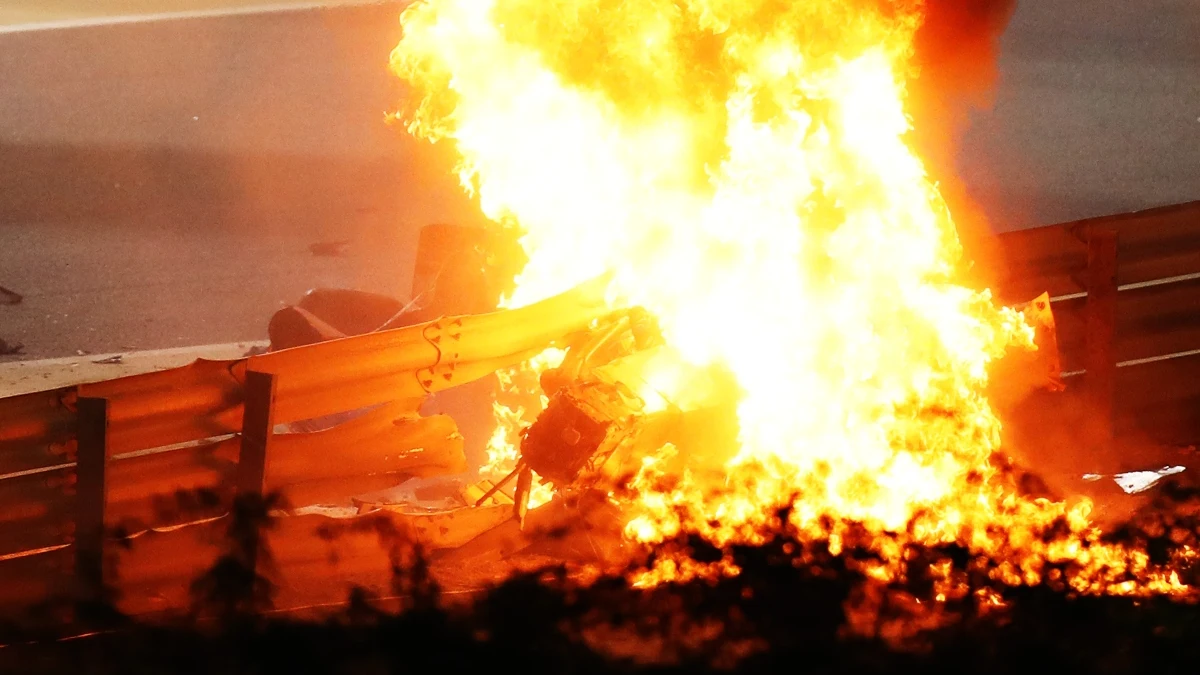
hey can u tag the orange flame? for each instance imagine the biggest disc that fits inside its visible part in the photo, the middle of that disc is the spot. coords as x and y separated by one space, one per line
740 168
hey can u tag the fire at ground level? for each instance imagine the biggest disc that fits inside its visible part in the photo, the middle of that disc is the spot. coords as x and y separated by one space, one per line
594 433
773 615
582 586
792 602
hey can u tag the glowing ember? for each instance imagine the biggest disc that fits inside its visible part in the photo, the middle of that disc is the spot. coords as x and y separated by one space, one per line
740 168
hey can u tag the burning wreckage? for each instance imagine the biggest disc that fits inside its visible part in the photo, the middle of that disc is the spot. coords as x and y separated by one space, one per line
786 323
601 419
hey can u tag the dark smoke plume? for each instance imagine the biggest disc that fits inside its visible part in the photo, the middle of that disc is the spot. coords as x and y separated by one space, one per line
957 54
957 49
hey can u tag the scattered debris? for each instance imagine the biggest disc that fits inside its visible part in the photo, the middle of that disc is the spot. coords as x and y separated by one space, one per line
82 352
1133 482
11 349
329 248
112 360
8 297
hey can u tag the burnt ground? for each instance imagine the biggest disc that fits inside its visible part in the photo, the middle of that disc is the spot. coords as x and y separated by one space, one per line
794 605
770 617
795 623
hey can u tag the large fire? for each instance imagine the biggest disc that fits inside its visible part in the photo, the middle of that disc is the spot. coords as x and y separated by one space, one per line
742 169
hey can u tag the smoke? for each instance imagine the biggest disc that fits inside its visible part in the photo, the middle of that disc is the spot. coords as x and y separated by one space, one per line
956 55
956 48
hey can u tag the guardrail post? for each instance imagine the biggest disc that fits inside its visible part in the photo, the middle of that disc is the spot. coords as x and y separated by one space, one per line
90 497
258 425
1100 358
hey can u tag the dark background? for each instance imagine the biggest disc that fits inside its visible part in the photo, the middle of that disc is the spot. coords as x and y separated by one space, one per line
161 182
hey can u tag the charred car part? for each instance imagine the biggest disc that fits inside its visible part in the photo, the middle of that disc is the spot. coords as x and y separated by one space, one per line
587 417
573 429
604 413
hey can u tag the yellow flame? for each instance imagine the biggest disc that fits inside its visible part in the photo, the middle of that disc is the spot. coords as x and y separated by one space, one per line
741 169
522 400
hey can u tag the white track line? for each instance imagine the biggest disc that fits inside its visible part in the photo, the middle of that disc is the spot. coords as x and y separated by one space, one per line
268 8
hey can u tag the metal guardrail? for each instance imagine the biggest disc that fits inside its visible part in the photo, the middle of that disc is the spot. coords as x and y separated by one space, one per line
1125 291
82 451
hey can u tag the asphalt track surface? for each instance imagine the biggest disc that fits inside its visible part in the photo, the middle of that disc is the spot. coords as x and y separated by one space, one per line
161 182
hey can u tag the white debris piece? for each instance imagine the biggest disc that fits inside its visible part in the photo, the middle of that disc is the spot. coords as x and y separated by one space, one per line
1140 481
